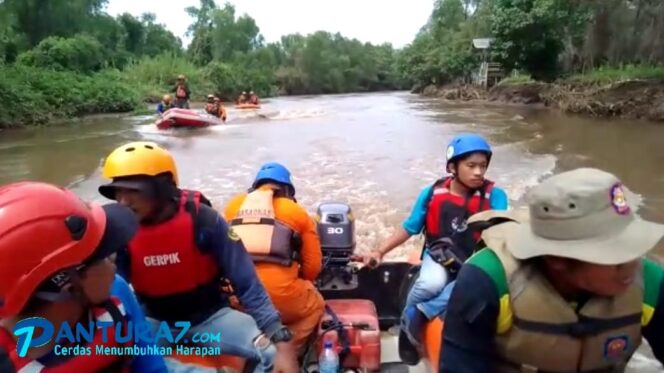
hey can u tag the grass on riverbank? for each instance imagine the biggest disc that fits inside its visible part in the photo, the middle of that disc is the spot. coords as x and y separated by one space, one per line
516 79
600 75
603 75
32 95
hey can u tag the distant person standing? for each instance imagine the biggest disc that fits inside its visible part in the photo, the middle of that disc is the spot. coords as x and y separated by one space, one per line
182 93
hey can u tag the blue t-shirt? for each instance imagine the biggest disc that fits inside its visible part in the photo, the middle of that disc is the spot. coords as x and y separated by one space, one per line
415 222
140 363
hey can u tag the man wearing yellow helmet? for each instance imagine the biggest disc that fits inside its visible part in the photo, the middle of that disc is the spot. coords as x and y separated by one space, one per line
165 104
181 237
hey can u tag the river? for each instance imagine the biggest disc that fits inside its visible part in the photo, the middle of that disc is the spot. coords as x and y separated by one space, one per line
373 151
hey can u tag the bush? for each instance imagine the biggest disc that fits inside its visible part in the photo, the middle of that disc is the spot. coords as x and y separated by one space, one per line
81 53
33 95
156 76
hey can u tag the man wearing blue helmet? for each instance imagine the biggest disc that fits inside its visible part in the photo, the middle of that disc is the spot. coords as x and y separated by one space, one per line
283 242
441 212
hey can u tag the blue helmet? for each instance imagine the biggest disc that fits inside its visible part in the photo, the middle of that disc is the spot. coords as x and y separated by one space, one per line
273 171
467 143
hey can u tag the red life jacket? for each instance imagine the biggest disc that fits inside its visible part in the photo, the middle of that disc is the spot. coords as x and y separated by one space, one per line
447 215
211 108
169 270
181 92
112 311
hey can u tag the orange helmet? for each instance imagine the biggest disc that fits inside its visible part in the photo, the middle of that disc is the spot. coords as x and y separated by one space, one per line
45 229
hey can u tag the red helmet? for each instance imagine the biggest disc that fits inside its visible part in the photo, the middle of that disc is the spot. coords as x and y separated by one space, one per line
43 230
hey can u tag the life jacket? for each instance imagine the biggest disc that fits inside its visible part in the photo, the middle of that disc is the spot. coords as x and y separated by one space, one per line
447 216
266 238
539 331
170 273
112 311
211 108
181 92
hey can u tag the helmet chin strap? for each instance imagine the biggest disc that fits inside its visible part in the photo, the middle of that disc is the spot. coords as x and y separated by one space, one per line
456 178
72 291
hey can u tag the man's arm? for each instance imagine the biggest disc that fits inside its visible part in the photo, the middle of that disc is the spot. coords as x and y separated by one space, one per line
417 218
311 254
498 199
653 331
141 363
237 266
470 324
411 226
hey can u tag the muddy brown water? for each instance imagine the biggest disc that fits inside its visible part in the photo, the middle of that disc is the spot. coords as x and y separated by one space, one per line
373 151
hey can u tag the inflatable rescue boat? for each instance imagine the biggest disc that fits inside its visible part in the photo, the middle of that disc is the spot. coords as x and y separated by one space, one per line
185 118
247 106
362 305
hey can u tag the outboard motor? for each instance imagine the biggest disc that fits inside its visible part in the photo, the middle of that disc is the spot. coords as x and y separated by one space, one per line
336 229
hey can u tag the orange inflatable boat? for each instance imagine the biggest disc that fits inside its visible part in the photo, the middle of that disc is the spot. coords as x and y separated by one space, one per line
247 106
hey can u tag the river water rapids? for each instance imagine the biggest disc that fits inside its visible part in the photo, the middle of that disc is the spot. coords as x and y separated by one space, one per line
373 151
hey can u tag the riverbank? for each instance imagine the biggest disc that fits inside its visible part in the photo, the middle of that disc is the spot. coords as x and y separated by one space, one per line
630 98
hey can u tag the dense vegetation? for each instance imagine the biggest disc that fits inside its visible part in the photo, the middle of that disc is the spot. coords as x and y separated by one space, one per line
68 57
541 39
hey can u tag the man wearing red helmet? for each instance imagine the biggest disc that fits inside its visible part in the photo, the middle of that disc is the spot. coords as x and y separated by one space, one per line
55 264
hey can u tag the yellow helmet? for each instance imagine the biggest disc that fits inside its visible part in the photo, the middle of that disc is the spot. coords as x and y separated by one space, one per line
139 158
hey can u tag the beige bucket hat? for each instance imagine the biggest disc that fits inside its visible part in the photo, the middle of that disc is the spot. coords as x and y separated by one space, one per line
583 214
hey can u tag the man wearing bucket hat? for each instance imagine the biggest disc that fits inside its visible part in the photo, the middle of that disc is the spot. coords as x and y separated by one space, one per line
567 289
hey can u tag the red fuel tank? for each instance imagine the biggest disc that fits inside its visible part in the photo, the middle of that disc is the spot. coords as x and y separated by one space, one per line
360 321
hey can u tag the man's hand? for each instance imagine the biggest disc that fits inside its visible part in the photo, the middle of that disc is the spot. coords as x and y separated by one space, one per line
372 259
286 359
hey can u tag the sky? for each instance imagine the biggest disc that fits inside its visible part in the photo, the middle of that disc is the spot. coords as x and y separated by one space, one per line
374 21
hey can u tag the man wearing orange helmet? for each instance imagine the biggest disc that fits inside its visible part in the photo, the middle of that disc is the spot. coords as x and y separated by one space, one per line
55 266
181 237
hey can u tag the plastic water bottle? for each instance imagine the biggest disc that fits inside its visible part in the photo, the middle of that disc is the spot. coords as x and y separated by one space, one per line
328 361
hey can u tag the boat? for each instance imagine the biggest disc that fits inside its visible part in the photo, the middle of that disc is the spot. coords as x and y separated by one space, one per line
185 118
247 106
363 307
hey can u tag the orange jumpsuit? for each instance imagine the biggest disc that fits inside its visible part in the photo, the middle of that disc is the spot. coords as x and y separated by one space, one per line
291 289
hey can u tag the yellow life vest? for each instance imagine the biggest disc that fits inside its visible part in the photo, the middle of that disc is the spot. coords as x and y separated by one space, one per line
266 238
539 331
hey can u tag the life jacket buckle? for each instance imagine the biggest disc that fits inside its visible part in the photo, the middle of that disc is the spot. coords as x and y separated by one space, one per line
581 330
442 252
